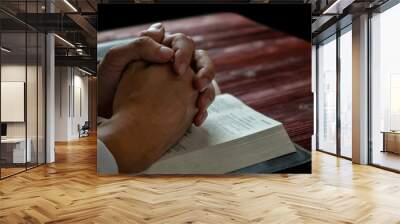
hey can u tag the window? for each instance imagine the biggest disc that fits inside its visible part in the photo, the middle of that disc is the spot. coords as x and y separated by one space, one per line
327 95
385 86
346 93
333 137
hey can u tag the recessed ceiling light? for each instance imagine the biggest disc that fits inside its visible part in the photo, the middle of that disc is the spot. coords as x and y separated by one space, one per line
5 50
337 6
84 71
70 5
64 40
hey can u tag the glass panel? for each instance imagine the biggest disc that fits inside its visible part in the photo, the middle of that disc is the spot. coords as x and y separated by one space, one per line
41 98
346 94
327 96
13 89
31 98
385 114
23 90
31 86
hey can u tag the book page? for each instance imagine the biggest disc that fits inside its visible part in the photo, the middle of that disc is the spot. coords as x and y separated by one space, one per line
228 119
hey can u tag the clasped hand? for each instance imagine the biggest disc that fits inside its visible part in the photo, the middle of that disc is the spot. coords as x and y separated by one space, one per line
152 90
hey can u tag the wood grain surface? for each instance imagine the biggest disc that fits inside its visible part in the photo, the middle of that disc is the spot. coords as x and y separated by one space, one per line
69 191
267 69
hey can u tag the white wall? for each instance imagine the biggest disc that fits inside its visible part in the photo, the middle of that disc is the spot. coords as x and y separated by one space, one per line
12 73
61 103
70 83
34 125
82 83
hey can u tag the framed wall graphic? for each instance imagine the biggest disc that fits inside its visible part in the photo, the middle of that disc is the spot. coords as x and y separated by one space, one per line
12 100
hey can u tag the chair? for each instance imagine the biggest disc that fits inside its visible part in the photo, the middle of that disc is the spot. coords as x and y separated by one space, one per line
84 130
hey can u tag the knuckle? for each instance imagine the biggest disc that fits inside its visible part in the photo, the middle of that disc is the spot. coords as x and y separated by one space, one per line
143 40
184 37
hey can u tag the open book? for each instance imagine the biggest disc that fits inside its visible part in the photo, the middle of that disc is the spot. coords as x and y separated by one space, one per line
234 136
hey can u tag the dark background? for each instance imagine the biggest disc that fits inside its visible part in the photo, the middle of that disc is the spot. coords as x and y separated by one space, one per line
293 19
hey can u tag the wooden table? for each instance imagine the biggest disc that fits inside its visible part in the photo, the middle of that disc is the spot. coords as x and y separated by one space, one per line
267 69
15 152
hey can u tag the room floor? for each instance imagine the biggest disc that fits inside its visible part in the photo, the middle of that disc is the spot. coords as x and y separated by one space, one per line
8 171
69 191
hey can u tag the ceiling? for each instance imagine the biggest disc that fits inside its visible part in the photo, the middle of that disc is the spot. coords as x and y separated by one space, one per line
332 15
72 20
76 20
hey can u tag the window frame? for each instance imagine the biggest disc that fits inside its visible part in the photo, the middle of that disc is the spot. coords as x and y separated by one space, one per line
336 35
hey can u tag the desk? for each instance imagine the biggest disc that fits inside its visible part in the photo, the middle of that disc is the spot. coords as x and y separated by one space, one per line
268 70
13 150
391 141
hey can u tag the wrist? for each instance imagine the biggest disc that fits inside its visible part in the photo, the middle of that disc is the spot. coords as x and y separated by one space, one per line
123 134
